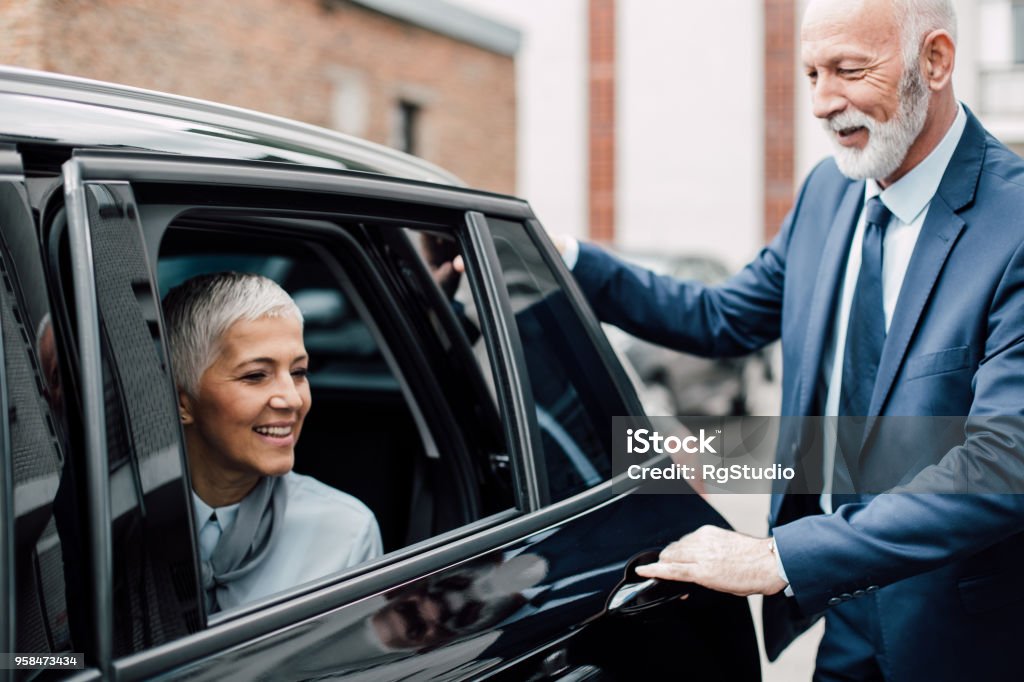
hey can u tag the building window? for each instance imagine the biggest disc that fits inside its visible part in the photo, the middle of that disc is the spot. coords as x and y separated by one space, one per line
349 102
407 123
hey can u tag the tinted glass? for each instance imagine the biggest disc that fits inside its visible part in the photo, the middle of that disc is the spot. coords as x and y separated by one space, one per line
573 393
50 565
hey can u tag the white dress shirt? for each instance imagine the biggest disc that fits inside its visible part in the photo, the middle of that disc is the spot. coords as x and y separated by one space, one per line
908 200
325 531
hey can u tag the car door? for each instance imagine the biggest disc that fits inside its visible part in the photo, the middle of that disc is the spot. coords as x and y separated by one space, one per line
44 553
530 591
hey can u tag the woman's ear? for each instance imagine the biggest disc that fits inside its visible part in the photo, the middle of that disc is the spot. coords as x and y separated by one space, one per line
185 408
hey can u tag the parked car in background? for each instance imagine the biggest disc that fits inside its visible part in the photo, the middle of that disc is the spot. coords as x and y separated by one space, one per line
471 413
692 385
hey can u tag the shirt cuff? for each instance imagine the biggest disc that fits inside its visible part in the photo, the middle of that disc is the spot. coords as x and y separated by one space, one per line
782 571
570 252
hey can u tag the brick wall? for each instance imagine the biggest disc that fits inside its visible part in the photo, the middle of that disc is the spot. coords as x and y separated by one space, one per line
287 57
601 143
22 33
779 115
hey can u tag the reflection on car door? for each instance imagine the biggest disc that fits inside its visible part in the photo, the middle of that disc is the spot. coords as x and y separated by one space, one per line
43 557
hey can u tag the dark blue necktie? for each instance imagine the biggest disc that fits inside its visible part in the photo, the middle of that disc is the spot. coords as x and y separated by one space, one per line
865 336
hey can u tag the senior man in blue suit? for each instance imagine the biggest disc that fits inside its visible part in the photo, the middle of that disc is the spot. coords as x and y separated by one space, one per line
897 287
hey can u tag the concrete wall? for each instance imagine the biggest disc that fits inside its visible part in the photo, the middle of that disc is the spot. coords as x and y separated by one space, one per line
688 147
690 135
551 77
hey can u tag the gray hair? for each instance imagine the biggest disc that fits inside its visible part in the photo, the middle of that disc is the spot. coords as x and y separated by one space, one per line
918 18
200 310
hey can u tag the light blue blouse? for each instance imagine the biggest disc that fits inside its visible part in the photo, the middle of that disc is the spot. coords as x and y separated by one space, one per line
325 531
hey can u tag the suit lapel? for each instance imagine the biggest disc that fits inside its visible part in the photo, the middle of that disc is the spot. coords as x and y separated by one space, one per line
826 285
941 228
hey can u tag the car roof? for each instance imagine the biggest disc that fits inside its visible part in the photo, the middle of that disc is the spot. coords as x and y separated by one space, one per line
44 110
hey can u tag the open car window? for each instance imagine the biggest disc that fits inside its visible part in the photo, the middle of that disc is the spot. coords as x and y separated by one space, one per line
367 433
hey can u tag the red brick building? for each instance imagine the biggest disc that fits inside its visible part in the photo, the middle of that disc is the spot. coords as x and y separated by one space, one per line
420 75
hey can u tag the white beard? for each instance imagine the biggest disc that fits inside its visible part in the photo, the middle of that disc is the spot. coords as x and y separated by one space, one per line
888 142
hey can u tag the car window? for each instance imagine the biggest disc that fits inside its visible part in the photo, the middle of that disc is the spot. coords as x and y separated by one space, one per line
574 396
392 375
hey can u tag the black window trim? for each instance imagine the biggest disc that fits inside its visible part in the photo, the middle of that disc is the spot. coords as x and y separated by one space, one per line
142 167
512 346
506 352
91 384
7 578
10 171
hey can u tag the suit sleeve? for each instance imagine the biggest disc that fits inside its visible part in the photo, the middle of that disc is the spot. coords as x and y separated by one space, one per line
966 502
734 318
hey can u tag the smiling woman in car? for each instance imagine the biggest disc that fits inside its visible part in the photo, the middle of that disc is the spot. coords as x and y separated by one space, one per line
240 367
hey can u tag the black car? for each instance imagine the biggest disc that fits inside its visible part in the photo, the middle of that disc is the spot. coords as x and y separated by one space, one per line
472 416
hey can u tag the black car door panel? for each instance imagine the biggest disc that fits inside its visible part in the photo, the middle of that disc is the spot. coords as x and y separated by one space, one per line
508 593
474 618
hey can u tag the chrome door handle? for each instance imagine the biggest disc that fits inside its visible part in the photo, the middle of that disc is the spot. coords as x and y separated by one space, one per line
627 593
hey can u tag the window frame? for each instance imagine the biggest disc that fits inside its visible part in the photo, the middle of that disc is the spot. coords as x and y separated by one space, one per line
515 403
97 468
7 587
591 326
10 172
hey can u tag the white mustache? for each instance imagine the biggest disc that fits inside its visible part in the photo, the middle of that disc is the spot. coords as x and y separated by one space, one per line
851 118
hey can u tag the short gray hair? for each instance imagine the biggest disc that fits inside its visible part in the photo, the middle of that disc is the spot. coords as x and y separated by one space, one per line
918 18
200 310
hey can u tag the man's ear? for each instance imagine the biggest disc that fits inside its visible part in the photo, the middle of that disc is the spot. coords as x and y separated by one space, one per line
185 408
938 58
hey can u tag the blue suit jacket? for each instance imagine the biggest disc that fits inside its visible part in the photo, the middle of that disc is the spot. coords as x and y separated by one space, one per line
947 571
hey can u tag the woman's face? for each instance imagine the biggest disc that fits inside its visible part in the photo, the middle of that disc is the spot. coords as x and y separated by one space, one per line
247 416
